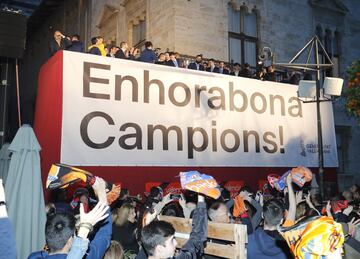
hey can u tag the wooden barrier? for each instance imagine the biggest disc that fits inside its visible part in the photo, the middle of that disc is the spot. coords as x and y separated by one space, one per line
235 234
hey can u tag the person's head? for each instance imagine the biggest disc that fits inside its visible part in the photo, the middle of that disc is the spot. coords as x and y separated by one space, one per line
348 195
211 62
354 188
59 230
247 66
198 59
158 239
172 55
161 57
124 214
115 251
221 64
113 50
123 45
99 40
148 45
57 35
237 67
156 194
93 40
177 55
218 212
167 56
75 37
225 194
273 213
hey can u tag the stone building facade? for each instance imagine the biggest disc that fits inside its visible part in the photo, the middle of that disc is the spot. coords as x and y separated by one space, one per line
228 30
204 26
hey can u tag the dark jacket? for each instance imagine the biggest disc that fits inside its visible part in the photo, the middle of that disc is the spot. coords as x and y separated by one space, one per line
194 247
120 54
224 71
246 73
233 73
215 69
148 55
263 245
77 46
194 67
171 63
126 235
54 46
95 50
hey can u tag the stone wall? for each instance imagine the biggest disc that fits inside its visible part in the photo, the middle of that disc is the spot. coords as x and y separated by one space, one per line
201 27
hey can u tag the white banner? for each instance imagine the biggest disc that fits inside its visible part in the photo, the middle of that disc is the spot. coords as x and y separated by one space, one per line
128 113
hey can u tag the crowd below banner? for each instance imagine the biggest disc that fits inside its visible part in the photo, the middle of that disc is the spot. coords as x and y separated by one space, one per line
285 219
172 59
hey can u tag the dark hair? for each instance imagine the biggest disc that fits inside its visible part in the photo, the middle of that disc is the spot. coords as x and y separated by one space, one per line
122 44
225 194
155 234
273 212
93 40
58 229
308 76
211 59
237 64
148 44
77 36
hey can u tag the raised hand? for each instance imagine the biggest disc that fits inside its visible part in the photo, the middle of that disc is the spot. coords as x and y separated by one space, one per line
352 226
89 220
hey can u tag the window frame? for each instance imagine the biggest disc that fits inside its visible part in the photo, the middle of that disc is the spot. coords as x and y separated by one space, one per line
242 36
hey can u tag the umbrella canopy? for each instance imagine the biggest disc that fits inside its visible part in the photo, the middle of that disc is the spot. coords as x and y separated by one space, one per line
4 161
24 193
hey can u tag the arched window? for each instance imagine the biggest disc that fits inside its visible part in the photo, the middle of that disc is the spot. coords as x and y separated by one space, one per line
328 42
139 34
242 35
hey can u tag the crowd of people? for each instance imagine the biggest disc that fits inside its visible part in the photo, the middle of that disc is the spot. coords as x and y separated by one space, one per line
169 58
81 223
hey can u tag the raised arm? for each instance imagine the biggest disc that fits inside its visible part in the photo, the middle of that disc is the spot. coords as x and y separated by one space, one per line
194 247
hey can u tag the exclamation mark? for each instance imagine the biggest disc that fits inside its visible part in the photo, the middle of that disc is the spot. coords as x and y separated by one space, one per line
281 134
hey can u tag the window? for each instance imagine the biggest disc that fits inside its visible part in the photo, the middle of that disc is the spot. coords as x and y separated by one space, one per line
242 36
139 34
331 41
